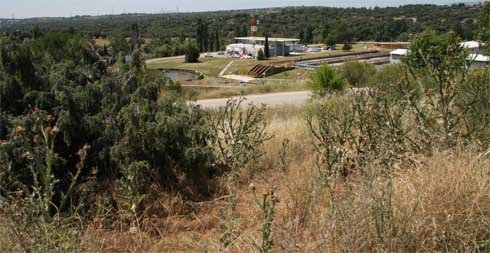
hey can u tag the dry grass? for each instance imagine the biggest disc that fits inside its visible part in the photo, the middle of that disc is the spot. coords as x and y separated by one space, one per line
224 92
440 205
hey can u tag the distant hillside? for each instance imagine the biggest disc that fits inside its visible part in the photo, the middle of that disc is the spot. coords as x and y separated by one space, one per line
366 24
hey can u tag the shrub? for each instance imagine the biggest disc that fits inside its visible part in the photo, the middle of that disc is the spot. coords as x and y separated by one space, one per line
239 134
326 80
438 67
167 139
331 40
352 132
192 54
474 97
347 47
358 73
261 55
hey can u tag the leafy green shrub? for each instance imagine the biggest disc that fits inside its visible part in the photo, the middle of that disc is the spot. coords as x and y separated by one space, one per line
169 137
261 55
358 73
116 122
347 47
326 80
192 54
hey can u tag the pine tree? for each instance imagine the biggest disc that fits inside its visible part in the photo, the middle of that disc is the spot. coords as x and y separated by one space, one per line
325 33
301 36
202 36
309 35
135 37
266 46
205 37
216 41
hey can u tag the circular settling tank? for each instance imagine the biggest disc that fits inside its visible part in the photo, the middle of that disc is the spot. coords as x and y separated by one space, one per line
182 74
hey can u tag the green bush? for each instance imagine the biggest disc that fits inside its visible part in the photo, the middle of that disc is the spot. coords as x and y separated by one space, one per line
192 54
347 47
261 55
326 80
238 134
474 97
358 74
70 122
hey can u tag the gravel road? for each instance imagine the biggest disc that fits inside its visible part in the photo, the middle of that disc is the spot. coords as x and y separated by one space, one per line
270 99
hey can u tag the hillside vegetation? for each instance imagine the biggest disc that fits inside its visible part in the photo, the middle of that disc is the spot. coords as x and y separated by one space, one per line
165 33
97 157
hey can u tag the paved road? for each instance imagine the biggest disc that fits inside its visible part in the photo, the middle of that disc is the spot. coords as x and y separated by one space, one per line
271 99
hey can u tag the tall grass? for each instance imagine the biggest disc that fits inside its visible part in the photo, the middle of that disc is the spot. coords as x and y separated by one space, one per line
439 204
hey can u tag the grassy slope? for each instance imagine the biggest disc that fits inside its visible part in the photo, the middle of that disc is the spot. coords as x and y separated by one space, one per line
442 202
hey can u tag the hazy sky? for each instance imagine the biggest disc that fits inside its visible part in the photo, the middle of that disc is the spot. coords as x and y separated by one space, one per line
50 8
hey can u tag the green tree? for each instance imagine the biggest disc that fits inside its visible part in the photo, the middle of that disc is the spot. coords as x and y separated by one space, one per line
325 33
135 37
301 36
217 43
358 73
266 46
202 36
119 44
309 35
326 80
331 40
192 54
343 32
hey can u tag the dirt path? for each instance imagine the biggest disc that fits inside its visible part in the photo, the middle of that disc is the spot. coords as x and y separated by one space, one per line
222 73
271 99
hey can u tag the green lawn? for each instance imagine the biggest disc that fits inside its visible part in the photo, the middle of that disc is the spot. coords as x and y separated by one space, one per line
293 80
210 67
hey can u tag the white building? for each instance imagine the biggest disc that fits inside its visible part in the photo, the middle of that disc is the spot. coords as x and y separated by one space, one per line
252 45
397 55
242 50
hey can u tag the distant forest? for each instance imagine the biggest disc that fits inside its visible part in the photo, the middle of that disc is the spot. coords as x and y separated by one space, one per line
311 24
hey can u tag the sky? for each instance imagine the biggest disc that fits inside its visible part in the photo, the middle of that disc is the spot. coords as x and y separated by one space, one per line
67 8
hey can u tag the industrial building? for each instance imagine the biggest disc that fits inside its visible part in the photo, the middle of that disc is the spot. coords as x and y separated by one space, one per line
252 45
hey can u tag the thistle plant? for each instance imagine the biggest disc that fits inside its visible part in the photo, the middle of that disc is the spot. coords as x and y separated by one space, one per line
267 207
